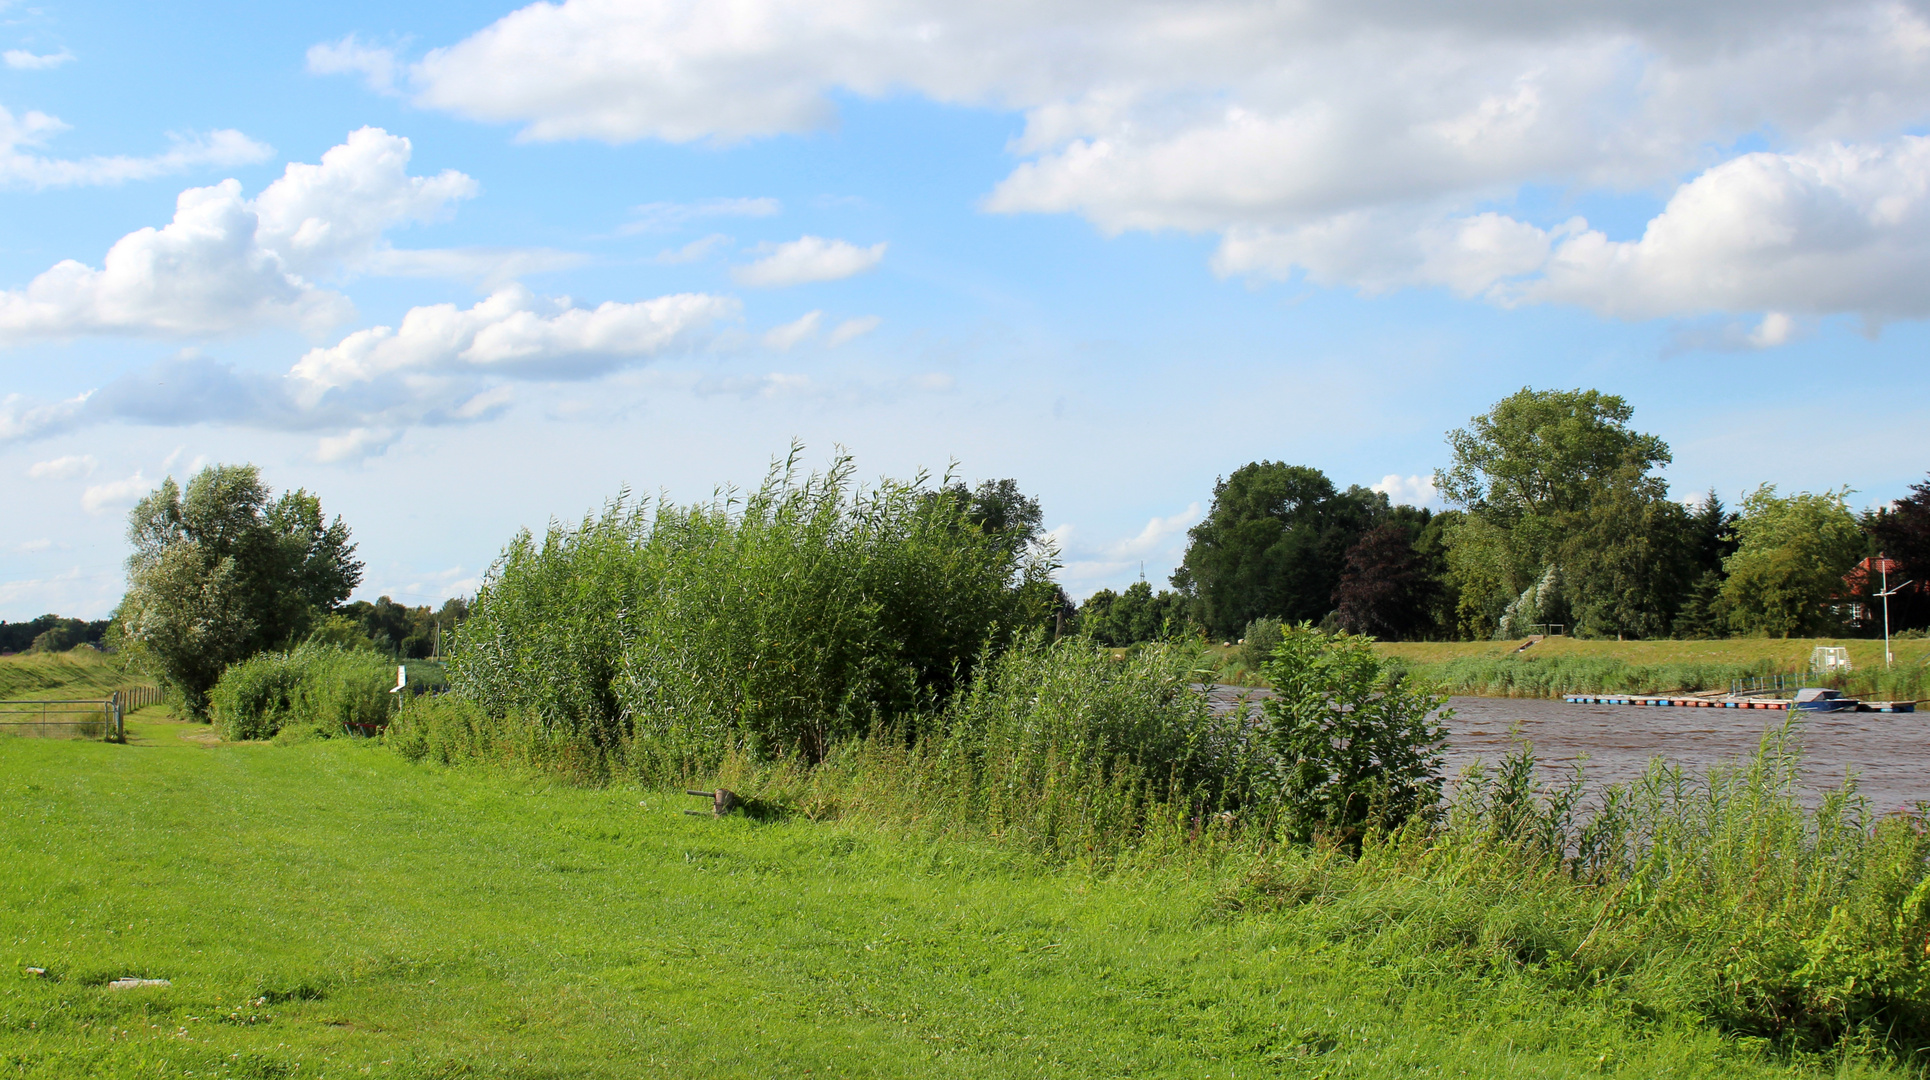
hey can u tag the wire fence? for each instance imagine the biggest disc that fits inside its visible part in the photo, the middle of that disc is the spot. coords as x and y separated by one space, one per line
90 718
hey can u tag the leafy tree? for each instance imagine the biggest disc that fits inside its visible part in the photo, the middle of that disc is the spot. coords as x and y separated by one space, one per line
1628 561
1791 554
1358 745
407 633
219 573
1548 477
999 508
1273 545
1711 540
1387 587
1136 615
1902 532
22 636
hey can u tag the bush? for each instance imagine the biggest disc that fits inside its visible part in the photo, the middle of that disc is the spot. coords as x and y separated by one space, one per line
777 623
1262 637
1357 744
314 690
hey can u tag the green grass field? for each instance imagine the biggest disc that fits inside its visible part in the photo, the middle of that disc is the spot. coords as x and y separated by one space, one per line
327 909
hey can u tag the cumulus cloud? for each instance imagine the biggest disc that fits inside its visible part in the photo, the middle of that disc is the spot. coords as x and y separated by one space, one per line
512 332
323 217
1839 228
22 167
851 329
808 259
791 333
1409 490
441 364
71 467
1251 121
115 494
228 263
22 60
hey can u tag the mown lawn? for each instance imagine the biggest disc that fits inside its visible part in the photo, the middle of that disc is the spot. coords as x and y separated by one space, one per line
328 909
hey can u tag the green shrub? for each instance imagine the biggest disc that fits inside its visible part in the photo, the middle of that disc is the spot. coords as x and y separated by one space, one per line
1356 743
776 623
1261 638
314 690
254 697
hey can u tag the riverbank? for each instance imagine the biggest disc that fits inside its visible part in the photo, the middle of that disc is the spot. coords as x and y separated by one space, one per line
328 909
1559 665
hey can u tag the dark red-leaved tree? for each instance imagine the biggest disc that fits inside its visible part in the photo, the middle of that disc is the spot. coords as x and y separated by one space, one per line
1385 587
1902 531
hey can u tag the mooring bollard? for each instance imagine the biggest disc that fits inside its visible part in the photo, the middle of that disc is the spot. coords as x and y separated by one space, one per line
722 802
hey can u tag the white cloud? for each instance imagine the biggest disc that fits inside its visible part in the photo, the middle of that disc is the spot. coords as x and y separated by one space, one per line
1252 121
329 216
665 216
511 332
22 60
20 166
31 546
1157 536
851 329
791 333
1775 329
71 467
355 444
115 494
22 419
226 263
809 259
695 251
1407 490
202 273
350 56
1840 228
440 365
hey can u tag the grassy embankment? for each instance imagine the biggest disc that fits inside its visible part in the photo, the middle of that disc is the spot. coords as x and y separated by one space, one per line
329 909
80 673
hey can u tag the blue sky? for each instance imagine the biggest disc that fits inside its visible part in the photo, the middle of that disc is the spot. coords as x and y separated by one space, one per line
480 267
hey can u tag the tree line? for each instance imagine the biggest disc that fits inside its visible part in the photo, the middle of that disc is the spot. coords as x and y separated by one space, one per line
1557 522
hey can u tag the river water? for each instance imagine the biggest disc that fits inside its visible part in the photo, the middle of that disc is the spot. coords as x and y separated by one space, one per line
1889 752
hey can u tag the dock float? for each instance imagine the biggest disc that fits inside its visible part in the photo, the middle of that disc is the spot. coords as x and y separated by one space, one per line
1722 703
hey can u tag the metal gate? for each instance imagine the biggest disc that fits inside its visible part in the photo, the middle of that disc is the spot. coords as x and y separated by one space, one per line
91 718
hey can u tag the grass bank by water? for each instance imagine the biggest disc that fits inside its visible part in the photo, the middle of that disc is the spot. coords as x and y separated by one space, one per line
1562 665
329 909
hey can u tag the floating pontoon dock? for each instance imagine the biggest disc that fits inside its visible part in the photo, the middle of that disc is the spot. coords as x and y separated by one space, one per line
1690 702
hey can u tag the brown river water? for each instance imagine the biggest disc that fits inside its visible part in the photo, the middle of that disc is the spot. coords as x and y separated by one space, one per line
1888 752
